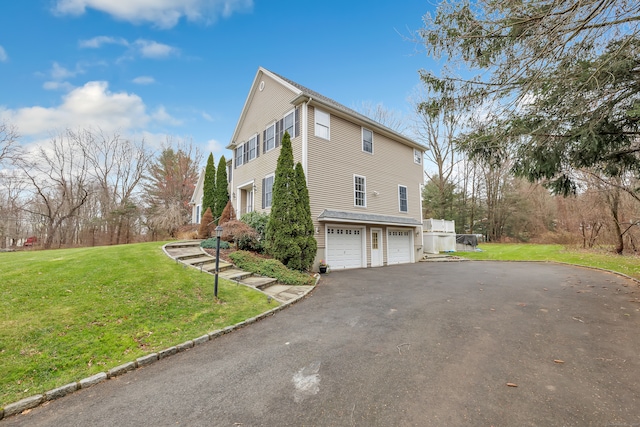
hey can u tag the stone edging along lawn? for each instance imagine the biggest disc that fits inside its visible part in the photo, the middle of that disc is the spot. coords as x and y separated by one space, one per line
38 399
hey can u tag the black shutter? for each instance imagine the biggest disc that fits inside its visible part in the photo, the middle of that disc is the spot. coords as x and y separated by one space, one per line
263 187
257 146
296 128
279 125
264 141
235 158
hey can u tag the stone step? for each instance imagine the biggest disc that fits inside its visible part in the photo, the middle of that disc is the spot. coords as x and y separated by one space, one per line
234 274
259 282
186 253
211 268
187 244
202 259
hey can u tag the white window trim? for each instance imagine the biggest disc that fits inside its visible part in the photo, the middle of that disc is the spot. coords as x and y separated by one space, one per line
364 191
362 141
273 126
417 156
235 156
293 115
317 122
253 140
268 208
406 192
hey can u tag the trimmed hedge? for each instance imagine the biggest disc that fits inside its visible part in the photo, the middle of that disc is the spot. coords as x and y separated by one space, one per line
270 268
211 244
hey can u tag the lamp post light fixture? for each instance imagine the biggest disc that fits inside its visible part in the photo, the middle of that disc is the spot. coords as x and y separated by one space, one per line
218 235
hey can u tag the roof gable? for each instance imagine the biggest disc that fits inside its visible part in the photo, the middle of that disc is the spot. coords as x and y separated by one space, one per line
304 94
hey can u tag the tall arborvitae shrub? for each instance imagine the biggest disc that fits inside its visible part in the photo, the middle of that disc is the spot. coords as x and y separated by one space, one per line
222 188
307 241
281 236
209 186
204 231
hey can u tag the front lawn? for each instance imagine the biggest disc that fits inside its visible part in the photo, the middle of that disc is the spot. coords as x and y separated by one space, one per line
628 264
68 314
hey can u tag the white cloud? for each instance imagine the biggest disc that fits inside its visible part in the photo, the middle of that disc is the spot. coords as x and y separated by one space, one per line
215 147
163 14
207 116
53 85
144 80
3 55
91 105
58 72
161 116
100 41
153 49
142 47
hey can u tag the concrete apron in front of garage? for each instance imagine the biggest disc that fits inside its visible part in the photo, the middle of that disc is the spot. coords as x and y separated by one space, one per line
190 254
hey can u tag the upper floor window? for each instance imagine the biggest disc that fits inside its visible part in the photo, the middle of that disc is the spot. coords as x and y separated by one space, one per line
250 149
322 124
289 123
417 156
360 188
269 138
402 198
267 191
239 155
367 140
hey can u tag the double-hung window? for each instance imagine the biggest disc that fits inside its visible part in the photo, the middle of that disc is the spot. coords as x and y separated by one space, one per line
402 198
289 124
417 156
359 193
267 191
239 155
270 138
367 141
322 124
251 147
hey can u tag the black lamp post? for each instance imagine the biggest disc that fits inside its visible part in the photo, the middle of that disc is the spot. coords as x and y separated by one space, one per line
218 234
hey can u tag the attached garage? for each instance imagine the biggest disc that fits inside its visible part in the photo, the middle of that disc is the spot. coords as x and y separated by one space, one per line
399 246
345 247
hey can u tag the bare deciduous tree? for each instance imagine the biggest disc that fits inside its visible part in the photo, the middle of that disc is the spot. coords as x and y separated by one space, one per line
60 182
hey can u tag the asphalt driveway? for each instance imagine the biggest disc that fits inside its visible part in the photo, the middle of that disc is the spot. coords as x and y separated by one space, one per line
428 344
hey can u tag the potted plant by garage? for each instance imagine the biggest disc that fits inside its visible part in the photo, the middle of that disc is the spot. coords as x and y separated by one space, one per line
323 266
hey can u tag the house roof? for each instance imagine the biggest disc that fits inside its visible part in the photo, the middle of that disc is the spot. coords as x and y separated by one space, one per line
304 94
360 217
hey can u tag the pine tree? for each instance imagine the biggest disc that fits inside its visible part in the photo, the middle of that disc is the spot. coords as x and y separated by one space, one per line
281 236
308 243
222 190
209 186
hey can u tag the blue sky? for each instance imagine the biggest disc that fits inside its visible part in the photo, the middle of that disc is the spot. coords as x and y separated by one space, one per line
184 67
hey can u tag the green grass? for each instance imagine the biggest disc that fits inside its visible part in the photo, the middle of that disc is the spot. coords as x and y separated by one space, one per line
68 314
270 268
629 265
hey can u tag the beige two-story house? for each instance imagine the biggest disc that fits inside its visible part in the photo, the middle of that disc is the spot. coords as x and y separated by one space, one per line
364 179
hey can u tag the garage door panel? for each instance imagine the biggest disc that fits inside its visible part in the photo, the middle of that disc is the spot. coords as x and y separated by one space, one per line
344 247
399 247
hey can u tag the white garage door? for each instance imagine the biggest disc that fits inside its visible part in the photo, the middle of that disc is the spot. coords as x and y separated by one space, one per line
344 247
399 244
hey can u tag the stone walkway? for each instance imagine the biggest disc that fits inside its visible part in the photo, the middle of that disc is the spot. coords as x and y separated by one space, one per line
189 253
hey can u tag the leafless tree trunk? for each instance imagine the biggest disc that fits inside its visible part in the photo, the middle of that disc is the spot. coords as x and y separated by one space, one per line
58 174
118 165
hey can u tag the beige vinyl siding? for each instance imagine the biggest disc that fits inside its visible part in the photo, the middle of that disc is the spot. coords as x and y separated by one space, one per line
264 107
332 164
